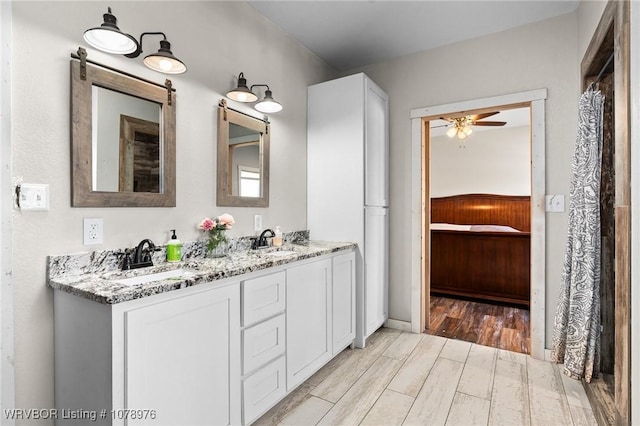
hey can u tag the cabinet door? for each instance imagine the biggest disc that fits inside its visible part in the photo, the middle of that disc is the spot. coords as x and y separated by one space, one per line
308 320
344 301
182 359
376 146
376 269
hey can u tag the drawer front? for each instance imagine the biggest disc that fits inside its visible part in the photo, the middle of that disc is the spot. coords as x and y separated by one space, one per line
262 343
263 389
262 297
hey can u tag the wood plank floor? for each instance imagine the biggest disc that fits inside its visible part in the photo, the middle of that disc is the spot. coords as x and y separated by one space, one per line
498 326
420 379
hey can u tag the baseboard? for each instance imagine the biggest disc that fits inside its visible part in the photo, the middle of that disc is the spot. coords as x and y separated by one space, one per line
398 325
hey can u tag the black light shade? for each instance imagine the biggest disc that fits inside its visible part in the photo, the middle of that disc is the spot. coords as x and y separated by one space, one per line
163 61
109 38
242 92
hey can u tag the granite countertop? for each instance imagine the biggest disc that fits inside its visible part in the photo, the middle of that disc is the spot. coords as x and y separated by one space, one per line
102 287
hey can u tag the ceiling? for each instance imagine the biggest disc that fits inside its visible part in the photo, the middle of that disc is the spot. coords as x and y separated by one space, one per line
351 34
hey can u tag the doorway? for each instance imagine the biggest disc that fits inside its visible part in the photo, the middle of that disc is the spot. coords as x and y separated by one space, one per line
606 62
420 198
480 214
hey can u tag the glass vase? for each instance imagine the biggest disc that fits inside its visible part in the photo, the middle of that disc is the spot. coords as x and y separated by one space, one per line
216 245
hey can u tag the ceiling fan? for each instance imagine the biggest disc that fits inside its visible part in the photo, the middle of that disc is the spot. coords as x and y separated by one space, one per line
462 125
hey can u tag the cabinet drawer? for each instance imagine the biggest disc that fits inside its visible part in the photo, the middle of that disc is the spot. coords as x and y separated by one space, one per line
263 389
262 297
262 343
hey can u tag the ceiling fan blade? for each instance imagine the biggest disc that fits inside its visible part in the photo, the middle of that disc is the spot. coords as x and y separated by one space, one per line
481 116
447 119
488 123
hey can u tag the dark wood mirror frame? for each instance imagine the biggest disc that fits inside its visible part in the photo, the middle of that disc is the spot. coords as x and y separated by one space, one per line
82 193
224 195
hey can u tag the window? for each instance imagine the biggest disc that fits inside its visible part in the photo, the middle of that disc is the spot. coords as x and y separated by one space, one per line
249 181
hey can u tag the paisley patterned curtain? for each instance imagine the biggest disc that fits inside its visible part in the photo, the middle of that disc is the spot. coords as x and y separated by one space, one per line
576 336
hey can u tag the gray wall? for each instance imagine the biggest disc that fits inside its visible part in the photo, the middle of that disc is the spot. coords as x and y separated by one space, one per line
536 56
217 40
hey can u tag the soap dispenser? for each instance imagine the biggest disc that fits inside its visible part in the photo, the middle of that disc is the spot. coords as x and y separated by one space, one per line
277 239
174 248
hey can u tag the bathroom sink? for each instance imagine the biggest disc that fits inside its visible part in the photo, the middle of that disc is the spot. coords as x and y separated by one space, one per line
158 276
280 253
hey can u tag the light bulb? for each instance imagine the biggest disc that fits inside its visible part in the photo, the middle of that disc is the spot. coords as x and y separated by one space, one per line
452 132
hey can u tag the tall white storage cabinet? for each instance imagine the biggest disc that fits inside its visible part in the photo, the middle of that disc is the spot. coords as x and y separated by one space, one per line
347 184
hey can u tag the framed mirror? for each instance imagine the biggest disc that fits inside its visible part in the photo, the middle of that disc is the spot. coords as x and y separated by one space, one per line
123 139
243 159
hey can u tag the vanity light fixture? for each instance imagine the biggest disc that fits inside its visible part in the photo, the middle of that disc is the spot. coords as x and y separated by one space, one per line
108 38
267 104
162 61
242 93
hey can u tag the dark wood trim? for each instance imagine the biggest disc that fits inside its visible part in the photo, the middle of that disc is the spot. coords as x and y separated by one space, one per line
612 36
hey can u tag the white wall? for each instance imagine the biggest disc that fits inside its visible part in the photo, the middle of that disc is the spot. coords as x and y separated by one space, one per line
495 161
217 40
536 56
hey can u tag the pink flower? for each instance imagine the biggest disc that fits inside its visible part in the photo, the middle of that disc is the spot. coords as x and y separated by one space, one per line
226 220
207 224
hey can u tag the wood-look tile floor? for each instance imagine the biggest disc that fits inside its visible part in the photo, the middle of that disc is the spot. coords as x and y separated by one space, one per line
420 379
498 326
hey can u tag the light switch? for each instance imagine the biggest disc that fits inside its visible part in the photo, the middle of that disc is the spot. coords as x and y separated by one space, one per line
257 222
554 203
34 196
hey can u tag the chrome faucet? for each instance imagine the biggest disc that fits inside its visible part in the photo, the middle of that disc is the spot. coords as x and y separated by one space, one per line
262 239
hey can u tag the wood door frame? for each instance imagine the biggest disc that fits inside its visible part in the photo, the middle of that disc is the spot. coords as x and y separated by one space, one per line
613 35
420 241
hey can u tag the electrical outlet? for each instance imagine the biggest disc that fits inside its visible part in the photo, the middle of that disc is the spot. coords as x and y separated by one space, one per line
93 230
257 222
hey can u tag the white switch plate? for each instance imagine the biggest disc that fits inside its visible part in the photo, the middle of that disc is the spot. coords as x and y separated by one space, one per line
34 196
257 222
93 230
554 203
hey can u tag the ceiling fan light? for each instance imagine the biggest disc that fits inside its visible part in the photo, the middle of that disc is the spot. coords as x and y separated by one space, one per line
452 132
467 130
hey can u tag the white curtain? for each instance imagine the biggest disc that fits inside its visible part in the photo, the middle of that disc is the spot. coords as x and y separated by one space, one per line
576 336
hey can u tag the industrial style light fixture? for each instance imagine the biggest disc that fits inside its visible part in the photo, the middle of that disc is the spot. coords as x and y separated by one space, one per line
242 93
108 38
267 104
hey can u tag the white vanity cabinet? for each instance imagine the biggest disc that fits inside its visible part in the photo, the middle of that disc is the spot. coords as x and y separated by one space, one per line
263 344
343 293
169 359
309 320
217 353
